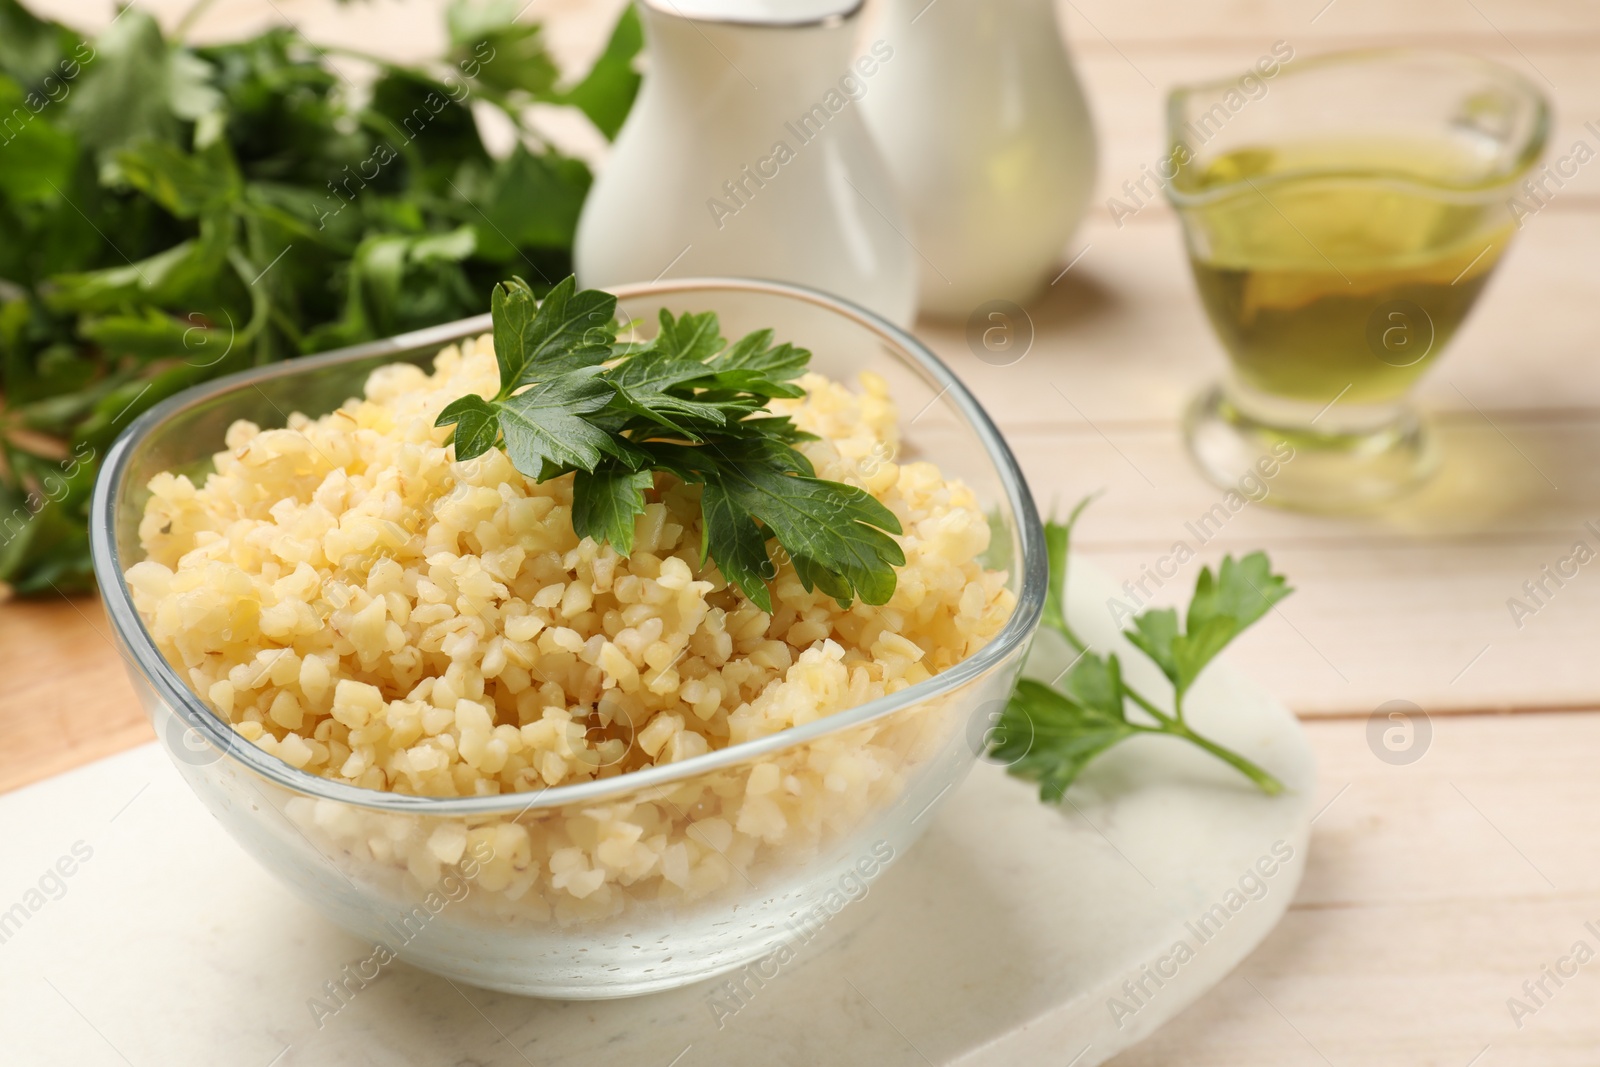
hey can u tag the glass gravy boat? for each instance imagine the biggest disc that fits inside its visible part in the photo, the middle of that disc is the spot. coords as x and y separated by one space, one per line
1341 219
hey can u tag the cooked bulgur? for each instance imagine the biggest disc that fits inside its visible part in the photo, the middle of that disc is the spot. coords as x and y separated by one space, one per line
365 608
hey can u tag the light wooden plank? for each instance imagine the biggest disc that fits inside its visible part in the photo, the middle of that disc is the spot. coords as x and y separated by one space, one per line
1197 24
1421 912
1508 479
1124 337
1392 606
67 699
1093 23
1428 624
1128 86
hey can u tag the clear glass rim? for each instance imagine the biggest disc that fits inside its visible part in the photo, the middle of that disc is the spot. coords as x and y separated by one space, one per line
1521 163
1032 575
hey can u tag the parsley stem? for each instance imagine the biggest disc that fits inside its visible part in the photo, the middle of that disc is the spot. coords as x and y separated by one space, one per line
1175 725
1090 713
1079 646
1266 782
1144 702
1072 638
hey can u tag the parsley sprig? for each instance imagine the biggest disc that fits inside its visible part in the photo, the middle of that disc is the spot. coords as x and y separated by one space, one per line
172 212
1049 733
575 400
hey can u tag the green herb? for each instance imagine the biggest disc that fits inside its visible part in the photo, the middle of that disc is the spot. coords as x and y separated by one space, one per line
574 400
1049 733
171 214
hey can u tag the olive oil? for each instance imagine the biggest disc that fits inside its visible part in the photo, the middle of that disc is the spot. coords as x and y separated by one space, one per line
1340 269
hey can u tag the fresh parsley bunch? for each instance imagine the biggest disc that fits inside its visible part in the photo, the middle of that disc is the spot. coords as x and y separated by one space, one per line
1049 733
573 399
170 214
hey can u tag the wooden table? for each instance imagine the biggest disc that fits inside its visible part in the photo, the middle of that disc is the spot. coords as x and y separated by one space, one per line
1435 889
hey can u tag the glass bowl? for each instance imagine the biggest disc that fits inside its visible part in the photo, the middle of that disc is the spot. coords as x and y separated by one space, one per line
500 891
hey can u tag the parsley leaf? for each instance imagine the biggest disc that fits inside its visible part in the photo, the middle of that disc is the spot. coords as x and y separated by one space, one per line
513 307
1153 634
605 502
574 400
754 364
1057 535
691 337
730 536
607 92
1049 734
491 46
834 533
756 352
533 340
1096 683
1243 591
477 425
1046 736
644 385
546 422
172 213
1223 606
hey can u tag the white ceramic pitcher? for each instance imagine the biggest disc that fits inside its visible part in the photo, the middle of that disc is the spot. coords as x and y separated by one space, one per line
746 155
984 126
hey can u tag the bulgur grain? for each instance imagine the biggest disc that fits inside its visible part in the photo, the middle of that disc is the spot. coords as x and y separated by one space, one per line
367 609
